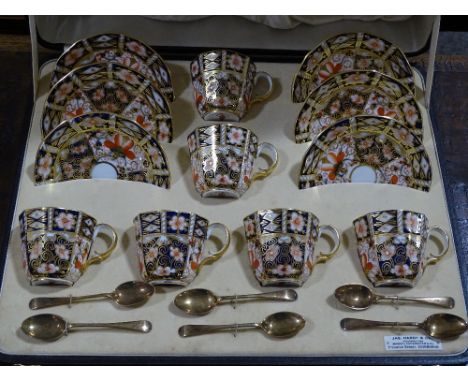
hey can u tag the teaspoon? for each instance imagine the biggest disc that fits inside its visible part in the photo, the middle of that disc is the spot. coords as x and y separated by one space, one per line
51 327
441 326
202 301
360 297
278 325
130 294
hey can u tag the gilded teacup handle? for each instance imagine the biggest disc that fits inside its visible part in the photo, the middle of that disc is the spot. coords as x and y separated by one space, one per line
273 154
336 236
268 93
98 257
432 259
216 255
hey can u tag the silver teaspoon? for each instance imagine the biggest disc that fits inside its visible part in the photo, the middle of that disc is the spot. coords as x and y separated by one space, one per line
129 294
51 327
278 325
202 301
360 297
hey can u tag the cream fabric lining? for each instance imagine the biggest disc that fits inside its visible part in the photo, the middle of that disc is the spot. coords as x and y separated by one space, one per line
117 202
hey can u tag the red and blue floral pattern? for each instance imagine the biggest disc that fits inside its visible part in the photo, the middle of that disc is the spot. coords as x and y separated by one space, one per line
390 150
357 93
390 246
347 52
119 49
280 245
112 88
170 246
75 147
55 244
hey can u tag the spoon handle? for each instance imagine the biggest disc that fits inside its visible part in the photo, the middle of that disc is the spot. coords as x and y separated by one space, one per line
444 302
47 302
359 323
143 326
279 295
197 330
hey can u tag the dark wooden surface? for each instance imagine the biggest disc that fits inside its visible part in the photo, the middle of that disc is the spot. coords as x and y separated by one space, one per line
449 113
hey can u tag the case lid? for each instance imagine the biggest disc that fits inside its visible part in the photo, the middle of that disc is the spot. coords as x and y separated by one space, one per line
283 36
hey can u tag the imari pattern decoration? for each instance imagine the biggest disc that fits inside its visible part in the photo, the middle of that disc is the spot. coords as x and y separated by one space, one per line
112 88
355 93
222 158
223 83
347 52
367 150
171 245
119 49
77 146
56 244
280 245
391 246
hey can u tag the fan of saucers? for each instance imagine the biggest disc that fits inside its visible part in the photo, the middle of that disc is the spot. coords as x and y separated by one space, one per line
112 88
355 93
367 150
120 49
101 145
346 52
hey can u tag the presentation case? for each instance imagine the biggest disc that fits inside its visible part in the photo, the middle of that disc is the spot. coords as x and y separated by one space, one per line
277 46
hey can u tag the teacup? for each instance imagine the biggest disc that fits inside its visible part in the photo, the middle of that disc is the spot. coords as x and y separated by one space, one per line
391 246
281 245
56 244
222 158
171 246
223 83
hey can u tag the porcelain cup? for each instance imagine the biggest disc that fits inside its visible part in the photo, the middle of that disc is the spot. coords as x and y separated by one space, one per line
171 246
222 158
56 244
281 245
391 246
224 82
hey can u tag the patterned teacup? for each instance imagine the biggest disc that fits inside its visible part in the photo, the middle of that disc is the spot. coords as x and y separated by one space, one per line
222 158
223 83
391 246
56 244
281 245
171 246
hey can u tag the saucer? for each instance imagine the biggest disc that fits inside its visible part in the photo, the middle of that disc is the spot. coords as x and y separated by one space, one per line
113 88
101 145
116 48
346 52
367 150
350 94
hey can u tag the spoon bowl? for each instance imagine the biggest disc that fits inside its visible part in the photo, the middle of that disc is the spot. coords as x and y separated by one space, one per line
196 301
45 327
283 324
444 326
133 293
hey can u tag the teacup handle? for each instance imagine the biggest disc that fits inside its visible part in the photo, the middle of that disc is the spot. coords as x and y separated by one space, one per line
336 236
98 257
269 91
216 255
273 154
432 259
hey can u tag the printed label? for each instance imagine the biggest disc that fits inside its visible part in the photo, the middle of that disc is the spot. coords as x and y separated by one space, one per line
399 343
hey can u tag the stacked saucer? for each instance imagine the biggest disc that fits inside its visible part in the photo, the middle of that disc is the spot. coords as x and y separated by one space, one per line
361 115
107 113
